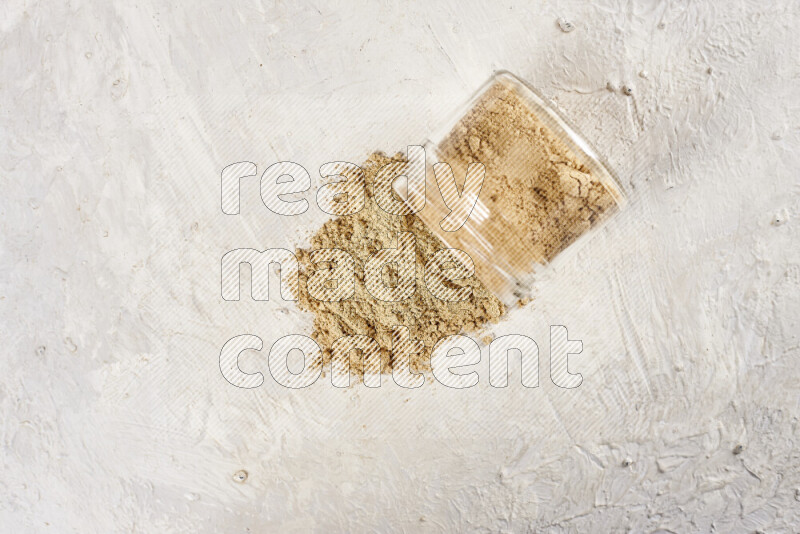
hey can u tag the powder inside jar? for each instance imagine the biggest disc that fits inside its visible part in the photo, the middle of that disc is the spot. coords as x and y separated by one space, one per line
540 195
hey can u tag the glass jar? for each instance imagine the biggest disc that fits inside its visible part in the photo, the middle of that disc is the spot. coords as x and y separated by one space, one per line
545 188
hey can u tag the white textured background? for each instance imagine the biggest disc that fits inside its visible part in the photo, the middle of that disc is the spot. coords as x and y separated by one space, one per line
117 118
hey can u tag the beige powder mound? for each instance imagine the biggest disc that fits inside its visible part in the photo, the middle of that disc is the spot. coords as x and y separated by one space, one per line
428 318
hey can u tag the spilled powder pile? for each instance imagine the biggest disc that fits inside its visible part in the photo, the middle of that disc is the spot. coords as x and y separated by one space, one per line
428 318
539 198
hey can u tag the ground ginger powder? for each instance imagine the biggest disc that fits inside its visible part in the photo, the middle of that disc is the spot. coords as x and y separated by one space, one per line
428 318
540 197
537 191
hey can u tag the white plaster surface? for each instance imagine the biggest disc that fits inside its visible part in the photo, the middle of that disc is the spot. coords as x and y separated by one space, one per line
117 118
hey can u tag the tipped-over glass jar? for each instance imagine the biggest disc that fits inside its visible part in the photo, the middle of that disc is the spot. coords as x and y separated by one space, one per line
544 188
